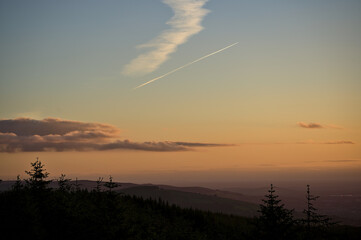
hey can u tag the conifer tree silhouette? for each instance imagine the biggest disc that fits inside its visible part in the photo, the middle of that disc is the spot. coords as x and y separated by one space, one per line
110 185
64 183
77 185
313 219
99 184
37 174
18 184
275 221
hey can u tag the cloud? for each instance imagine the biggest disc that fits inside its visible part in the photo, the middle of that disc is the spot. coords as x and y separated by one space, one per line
186 22
56 126
190 144
309 125
146 146
333 126
318 125
334 161
343 160
339 142
53 134
326 142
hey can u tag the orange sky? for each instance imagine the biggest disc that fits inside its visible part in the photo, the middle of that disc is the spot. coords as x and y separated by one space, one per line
285 100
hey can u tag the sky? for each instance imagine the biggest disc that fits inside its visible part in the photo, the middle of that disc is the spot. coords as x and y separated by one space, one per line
283 103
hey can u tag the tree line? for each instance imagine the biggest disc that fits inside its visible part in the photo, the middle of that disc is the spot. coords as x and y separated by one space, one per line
33 210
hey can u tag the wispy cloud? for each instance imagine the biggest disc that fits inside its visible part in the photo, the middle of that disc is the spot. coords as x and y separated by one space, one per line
326 142
186 22
343 160
54 134
309 125
334 161
334 126
339 142
317 125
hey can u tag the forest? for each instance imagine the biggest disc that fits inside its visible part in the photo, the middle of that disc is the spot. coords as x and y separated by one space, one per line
33 210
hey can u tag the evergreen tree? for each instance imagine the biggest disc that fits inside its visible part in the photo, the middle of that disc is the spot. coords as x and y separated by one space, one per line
275 221
18 184
77 185
313 219
37 174
110 185
64 183
99 184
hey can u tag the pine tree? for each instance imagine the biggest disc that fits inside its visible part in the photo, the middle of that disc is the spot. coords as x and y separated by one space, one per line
18 184
313 219
77 185
99 183
275 221
110 185
37 174
64 183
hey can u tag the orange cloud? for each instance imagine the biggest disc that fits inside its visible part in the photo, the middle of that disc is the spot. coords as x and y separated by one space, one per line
309 125
318 125
339 142
327 142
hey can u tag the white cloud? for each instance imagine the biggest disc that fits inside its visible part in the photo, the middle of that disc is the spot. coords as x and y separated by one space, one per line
186 22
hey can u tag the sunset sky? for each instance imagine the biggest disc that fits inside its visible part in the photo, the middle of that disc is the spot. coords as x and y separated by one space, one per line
282 103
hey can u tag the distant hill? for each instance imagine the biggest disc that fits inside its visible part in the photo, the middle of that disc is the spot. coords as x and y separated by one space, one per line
193 200
237 201
42 213
186 197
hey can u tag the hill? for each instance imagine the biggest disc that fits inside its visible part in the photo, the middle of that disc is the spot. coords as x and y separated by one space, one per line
193 200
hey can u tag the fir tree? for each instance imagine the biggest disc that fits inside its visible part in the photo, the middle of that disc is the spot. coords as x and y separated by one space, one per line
77 185
313 219
18 184
37 174
99 184
275 221
64 183
110 185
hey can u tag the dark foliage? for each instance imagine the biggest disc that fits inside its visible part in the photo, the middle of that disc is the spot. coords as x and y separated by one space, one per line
317 225
275 222
64 183
110 184
37 176
82 214
313 218
33 212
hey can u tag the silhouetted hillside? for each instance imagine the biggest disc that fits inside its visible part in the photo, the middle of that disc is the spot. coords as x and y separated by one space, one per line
35 213
238 201
195 200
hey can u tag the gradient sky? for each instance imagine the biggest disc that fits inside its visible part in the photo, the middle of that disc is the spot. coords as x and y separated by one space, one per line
287 95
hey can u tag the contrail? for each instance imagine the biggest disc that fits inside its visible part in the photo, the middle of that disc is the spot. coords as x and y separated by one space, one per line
186 65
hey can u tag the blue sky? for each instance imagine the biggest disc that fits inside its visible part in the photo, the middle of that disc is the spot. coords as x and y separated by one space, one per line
68 47
296 61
